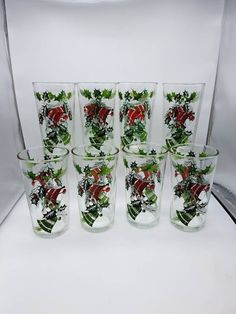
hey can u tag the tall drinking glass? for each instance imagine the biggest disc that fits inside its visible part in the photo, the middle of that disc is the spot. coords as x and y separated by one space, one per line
136 104
97 103
182 104
55 103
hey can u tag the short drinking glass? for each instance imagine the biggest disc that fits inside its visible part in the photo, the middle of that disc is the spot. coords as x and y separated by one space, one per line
192 172
45 179
145 167
96 173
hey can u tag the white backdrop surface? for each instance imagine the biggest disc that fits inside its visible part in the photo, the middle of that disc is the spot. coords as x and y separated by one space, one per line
164 41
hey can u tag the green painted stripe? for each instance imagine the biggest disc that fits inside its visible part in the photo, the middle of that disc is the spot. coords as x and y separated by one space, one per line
47 224
152 197
133 211
185 217
90 217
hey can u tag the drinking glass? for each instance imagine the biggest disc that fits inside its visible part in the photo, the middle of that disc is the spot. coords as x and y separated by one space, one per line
97 103
96 174
145 167
45 180
136 103
181 112
192 173
55 103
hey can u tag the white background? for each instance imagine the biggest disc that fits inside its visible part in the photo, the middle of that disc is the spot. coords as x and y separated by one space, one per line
164 41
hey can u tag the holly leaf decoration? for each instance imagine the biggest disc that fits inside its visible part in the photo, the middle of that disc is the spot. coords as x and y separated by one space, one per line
107 93
69 95
30 175
86 93
120 95
59 173
203 154
105 170
38 96
152 167
78 168
209 169
126 163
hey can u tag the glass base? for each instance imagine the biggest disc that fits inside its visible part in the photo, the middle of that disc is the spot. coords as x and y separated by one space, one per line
182 227
49 235
96 230
101 224
143 223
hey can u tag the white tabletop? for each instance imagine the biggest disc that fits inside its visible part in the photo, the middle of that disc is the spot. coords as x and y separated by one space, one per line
123 270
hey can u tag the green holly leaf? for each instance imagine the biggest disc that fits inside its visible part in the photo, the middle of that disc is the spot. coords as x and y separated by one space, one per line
203 154
79 169
86 93
142 152
107 93
59 173
135 95
61 96
105 170
30 175
152 167
50 96
192 97
120 95
151 94
180 168
170 96
38 96
209 169
69 95
126 162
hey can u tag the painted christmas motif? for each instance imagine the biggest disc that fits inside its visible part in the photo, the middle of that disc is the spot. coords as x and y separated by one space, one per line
192 188
94 188
98 115
141 185
47 197
180 117
135 114
54 115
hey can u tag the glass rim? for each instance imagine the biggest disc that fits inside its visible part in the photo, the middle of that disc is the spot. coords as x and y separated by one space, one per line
98 83
93 157
190 84
53 83
141 155
180 155
42 160
130 82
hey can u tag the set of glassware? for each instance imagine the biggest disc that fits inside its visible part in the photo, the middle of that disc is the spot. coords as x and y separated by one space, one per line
45 168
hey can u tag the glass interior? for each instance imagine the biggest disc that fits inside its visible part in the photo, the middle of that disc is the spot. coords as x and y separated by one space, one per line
43 154
92 152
